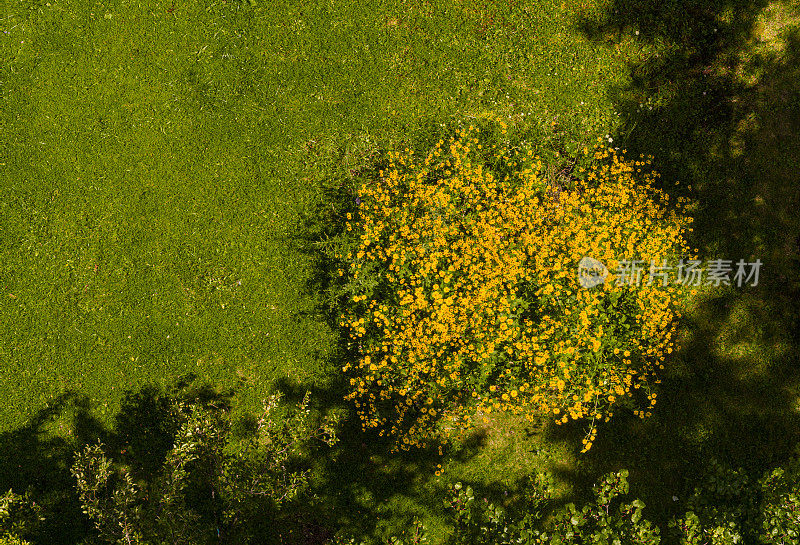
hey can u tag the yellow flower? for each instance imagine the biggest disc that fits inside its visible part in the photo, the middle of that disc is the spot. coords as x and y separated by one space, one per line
431 229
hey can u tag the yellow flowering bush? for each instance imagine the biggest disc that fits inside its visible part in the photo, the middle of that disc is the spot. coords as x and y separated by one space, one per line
467 299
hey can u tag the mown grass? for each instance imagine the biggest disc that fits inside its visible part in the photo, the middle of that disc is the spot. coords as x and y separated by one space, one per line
157 158
157 162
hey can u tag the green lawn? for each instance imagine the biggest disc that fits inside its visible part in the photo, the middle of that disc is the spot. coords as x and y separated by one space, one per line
158 162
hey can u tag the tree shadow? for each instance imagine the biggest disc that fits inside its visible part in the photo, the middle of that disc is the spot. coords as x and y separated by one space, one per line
38 456
144 428
725 123
35 459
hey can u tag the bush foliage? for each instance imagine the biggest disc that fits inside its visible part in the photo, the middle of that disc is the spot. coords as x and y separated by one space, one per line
726 508
211 487
218 486
19 515
605 521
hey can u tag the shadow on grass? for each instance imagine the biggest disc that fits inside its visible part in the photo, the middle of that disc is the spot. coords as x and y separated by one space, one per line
726 122
362 487
35 459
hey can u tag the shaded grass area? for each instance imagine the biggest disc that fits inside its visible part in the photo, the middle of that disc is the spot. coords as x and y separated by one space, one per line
725 123
356 490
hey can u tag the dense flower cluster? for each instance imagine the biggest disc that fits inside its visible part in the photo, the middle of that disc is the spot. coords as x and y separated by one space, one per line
469 300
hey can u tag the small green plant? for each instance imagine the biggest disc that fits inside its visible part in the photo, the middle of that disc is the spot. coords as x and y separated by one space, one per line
780 509
18 516
11 539
606 521
728 508
211 485
719 509
476 521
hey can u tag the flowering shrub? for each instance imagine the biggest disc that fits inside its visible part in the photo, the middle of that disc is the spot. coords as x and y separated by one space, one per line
465 297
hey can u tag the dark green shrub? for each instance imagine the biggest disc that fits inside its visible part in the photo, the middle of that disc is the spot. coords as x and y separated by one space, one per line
212 487
18 516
